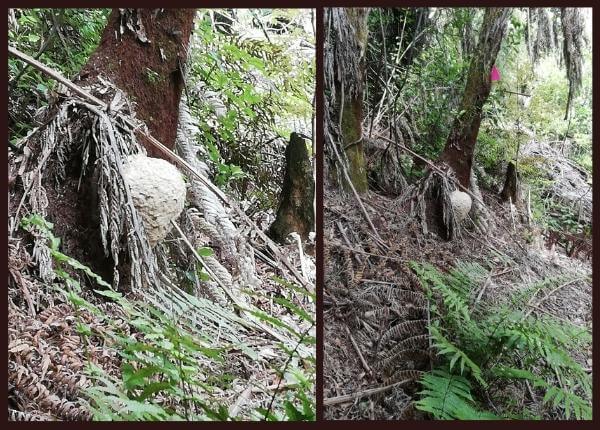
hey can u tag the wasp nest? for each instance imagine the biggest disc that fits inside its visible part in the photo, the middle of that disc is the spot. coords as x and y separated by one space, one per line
461 204
158 193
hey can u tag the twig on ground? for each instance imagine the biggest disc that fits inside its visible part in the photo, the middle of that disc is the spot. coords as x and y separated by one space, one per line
530 302
360 356
359 394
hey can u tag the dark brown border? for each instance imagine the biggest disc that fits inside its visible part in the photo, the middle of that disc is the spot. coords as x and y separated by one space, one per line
319 224
319 198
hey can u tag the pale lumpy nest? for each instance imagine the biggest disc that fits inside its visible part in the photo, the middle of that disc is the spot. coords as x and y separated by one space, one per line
461 204
158 193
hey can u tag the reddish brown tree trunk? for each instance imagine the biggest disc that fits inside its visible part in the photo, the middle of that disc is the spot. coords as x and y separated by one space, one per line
144 60
460 146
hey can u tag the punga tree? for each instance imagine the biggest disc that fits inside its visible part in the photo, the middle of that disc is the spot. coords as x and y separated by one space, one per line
436 204
344 67
146 60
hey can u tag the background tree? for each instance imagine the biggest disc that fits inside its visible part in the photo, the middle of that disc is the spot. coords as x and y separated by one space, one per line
460 146
346 34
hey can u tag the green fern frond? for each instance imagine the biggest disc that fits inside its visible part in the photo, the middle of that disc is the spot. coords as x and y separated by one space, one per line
447 397
465 277
571 403
455 355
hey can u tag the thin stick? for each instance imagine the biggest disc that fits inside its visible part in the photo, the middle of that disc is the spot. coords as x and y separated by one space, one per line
360 356
356 196
359 394
172 157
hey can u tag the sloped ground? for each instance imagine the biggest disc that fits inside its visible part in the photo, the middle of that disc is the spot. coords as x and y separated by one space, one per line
356 261
48 355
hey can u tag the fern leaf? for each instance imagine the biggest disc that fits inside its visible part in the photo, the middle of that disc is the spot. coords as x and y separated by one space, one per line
446 347
448 396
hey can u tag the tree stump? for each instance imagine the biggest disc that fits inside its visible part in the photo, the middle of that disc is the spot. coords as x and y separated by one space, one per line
511 185
296 210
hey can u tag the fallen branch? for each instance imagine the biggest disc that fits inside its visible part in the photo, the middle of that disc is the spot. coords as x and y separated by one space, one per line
359 394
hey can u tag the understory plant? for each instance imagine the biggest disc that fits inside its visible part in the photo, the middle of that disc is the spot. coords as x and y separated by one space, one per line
169 369
490 351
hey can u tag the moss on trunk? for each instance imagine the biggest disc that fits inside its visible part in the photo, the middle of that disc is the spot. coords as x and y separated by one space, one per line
352 134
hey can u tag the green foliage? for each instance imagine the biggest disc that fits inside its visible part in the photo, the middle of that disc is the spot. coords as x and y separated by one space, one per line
255 88
36 223
170 370
447 397
495 345
61 38
152 76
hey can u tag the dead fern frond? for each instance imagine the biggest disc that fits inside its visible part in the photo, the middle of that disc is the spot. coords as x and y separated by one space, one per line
395 294
403 375
404 329
391 357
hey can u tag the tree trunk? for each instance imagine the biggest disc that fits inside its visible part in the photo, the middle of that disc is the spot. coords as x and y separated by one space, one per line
295 212
346 46
460 146
142 51
511 185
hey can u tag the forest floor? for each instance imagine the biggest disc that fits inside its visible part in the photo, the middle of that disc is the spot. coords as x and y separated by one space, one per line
356 260
49 359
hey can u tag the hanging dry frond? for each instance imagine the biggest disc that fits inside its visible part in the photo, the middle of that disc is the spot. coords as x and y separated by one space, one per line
572 26
543 42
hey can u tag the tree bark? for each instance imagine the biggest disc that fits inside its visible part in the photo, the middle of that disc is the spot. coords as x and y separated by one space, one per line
142 51
460 146
295 212
511 185
347 41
